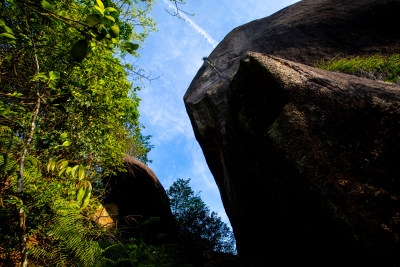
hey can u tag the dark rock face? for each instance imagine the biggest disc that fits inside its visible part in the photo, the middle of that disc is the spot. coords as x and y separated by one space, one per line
140 196
306 161
317 154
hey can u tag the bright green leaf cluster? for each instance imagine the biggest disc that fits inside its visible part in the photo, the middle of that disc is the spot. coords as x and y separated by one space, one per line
83 193
83 188
6 34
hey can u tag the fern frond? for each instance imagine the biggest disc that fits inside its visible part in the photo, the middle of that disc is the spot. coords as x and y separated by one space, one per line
73 234
5 129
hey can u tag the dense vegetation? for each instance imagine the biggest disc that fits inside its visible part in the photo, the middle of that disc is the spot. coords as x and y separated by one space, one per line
68 114
386 68
197 226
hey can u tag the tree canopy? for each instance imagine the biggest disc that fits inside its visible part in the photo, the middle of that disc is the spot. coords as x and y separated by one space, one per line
68 114
197 225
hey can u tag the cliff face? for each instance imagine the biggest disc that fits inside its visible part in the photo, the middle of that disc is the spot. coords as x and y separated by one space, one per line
314 163
305 160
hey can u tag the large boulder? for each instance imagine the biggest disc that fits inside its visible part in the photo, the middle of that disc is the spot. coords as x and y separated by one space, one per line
314 164
306 161
143 205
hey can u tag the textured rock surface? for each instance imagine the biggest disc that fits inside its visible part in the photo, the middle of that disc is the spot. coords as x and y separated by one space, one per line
106 215
140 196
317 153
306 32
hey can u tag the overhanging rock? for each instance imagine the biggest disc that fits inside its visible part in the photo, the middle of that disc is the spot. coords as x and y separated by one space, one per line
306 32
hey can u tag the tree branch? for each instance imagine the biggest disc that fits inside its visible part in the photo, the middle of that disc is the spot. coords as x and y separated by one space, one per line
212 65
178 10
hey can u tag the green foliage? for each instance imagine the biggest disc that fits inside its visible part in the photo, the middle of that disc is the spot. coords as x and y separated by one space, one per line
68 115
70 239
141 254
92 102
6 34
58 61
79 50
387 66
60 232
197 225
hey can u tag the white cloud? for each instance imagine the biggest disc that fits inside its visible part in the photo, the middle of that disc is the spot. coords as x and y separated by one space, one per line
200 169
196 27
165 118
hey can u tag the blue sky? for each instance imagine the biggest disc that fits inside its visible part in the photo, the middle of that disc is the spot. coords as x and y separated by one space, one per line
175 54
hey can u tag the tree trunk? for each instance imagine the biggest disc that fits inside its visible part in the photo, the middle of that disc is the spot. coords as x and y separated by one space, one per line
20 185
20 188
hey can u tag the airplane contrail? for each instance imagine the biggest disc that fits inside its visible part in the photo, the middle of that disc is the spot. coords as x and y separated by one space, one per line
196 27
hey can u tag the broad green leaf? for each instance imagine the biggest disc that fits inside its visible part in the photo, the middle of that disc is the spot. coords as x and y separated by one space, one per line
100 4
88 186
114 31
68 170
93 20
101 11
110 9
62 164
64 135
4 27
40 76
61 13
61 171
8 38
54 75
51 165
130 47
86 199
47 5
81 172
74 171
93 45
88 193
80 192
52 84
110 18
79 50
6 35
15 94
66 143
